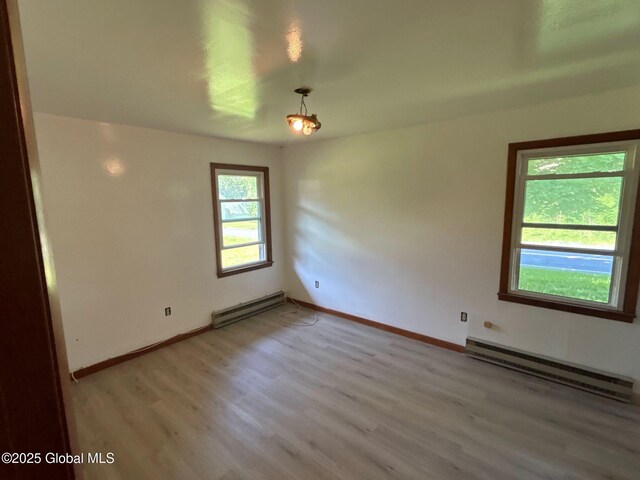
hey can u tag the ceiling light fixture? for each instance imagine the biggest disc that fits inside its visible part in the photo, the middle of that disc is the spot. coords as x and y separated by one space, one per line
302 122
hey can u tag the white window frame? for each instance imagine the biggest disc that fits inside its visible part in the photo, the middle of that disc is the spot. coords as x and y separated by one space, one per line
624 228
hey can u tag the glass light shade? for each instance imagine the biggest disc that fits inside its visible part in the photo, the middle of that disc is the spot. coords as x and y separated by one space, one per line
306 124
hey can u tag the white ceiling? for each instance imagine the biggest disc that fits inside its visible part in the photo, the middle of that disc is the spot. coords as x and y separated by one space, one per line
221 67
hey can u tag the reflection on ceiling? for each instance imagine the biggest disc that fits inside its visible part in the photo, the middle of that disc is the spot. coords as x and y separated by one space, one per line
294 42
228 47
571 24
227 67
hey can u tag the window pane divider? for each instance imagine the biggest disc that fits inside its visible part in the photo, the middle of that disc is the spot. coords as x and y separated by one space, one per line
236 200
561 176
236 220
594 228
238 245
554 248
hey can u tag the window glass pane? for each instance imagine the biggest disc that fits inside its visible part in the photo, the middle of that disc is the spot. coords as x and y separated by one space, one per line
577 201
237 187
236 233
569 238
579 276
600 162
239 210
234 257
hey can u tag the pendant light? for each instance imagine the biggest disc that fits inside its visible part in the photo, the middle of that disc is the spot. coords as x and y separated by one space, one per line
303 122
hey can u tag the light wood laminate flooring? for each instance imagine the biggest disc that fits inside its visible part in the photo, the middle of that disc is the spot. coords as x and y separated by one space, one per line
264 400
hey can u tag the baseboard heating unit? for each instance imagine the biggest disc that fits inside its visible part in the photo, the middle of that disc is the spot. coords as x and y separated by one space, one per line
594 381
247 309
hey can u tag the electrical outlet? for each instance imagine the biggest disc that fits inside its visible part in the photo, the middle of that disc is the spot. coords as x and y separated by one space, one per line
167 311
317 284
463 316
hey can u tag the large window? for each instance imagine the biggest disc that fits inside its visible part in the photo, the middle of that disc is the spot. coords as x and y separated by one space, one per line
569 239
242 218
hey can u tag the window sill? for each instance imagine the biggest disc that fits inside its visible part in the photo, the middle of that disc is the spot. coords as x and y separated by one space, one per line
249 268
568 307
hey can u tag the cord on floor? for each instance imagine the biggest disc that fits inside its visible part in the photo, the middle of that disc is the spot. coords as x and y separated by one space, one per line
283 315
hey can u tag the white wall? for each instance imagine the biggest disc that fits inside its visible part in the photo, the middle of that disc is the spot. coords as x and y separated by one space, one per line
404 227
129 243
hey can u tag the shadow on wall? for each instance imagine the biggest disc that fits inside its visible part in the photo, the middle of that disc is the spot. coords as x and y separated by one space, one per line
378 226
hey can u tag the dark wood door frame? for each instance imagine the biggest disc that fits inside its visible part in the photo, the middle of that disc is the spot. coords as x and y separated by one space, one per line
33 417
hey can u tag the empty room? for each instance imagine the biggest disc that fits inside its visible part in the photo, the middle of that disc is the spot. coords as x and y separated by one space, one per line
335 240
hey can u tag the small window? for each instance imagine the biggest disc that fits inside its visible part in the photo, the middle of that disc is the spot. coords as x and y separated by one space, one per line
242 219
569 240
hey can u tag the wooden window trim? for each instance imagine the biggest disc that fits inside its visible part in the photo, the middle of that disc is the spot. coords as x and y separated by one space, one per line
628 311
216 218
